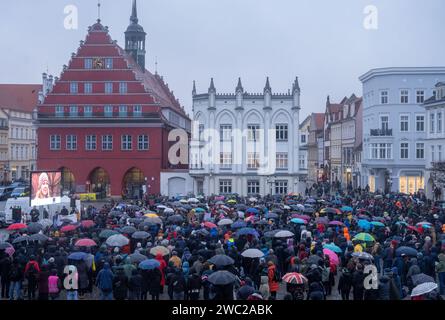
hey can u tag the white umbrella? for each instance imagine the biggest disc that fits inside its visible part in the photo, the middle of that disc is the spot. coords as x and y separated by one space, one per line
300 206
117 240
286 207
46 223
423 288
225 222
169 210
183 201
161 206
193 200
284 234
252 253
253 199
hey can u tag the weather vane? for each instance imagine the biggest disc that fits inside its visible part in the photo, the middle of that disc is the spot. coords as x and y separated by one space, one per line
98 10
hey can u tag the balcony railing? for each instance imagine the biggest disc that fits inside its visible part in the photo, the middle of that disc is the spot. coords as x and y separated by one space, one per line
381 132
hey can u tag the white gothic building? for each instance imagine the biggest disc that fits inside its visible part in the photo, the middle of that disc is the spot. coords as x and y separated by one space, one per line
395 126
246 143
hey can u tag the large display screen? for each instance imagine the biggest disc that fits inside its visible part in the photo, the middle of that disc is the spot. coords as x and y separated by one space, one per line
46 188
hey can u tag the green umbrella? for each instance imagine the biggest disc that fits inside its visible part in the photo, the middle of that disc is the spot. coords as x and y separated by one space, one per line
107 233
377 224
364 237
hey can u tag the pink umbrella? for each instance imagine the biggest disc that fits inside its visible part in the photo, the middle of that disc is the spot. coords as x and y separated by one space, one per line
336 223
87 223
209 225
333 258
301 216
10 250
85 243
68 228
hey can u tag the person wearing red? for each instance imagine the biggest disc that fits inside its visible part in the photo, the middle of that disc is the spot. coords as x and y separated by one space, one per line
273 279
162 267
32 271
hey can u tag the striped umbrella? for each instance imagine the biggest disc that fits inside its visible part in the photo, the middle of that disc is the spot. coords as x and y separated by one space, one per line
363 236
294 278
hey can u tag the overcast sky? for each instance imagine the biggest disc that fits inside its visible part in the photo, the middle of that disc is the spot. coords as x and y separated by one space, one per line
323 42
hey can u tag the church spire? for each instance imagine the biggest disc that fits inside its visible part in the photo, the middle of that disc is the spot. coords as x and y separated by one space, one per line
239 87
194 88
134 13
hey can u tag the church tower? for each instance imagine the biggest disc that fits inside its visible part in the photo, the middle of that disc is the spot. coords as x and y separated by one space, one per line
135 38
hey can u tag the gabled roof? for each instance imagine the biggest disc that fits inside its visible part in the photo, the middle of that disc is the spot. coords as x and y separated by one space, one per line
19 97
317 121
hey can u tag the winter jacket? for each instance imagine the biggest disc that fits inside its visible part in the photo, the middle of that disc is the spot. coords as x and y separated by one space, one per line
104 279
264 287
273 284
316 291
53 284
120 285
43 282
384 288
154 284
345 282
162 267
440 266
135 282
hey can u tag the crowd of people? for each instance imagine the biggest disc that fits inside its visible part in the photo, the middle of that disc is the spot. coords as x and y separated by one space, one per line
350 246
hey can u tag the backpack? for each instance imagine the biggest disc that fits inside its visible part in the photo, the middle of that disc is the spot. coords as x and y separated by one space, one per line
276 276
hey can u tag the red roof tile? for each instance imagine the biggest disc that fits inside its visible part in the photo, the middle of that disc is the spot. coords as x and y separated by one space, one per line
20 97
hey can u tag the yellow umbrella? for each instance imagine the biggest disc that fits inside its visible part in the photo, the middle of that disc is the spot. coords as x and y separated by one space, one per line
151 215
231 201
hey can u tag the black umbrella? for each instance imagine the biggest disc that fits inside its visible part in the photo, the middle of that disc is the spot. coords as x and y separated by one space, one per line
116 213
34 227
187 206
140 235
137 257
411 252
313 259
203 232
175 219
128 230
277 211
20 239
38 237
270 234
308 210
241 207
136 221
272 215
221 278
221 260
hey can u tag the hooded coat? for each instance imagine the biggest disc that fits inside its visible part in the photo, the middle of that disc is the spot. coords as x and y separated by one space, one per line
104 279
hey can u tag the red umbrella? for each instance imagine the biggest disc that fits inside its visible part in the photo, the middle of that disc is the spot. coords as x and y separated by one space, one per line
88 223
68 228
17 226
294 278
209 225
413 228
85 243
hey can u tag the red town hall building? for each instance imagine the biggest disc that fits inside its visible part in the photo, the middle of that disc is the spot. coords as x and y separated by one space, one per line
105 122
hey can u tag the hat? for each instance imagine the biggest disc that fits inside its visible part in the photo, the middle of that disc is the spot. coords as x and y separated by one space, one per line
51 260
116 250
139 245
427 238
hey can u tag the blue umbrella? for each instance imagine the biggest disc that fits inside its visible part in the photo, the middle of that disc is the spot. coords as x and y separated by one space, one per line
298 221
77 256
149 264
401 222
246 231
333 247
346 209
364 224
253 210
239 224
377 224
311 200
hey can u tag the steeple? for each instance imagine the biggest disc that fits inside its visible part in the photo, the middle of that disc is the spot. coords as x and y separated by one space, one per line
296 86
134 13
212 87
296 94
194 88
135 38
239 87
267 88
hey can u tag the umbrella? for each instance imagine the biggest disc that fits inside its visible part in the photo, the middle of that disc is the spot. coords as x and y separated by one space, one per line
262 222
193 200
253 210
151 215
219 203
199 210
381 219
363 255
364 224
284 234
423 288
377 224
77 256
402 223
272 215
85 243
313 259
154 220
364 237
221 278
5 245
149 264
107 233
169 210
246 231
10 251
20 239
231 201
301 216
294 278
209 225
175 219
117 240
140 235
116 213
421 278
34 227
271 234
68 228
336 223
425 225
332 256
203 232
322 220
128 230
221 260
252 199
159 249
310 200
46 223
329 210
137 257
333 247
406 251
38 237
225 222
161 206
239 224
309 210
16 226
87 223
346 209
136 221
278 210
298 221
252 253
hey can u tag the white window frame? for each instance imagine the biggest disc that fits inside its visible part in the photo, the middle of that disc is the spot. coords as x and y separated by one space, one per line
88 87
225 160
404 96
381 122
420 96
59 111
74 88
137 111
108 63
90 142
71 142
107 142
282 132
281 187
87 111
108 87
253 187
420 147
143 142
253 132
432 122
55 142
282 160
225 132
123 111
253 160
123 87
404 122
108 111
225 186
88 63
384 97
404 149
126 142
418 122
74 111
439 119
